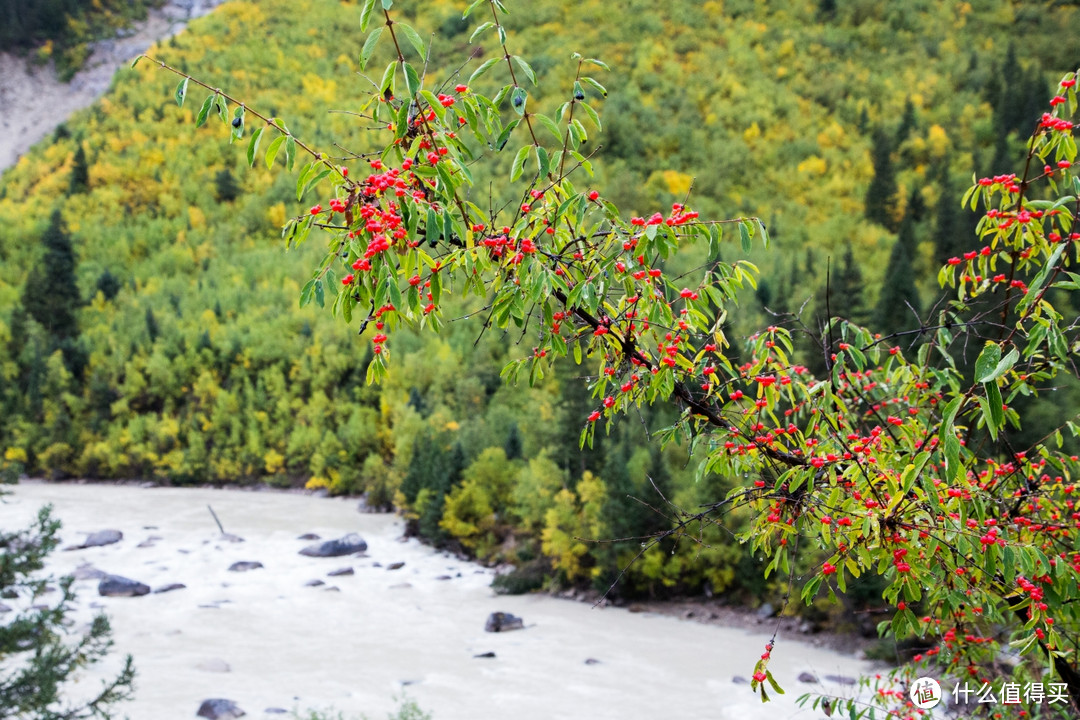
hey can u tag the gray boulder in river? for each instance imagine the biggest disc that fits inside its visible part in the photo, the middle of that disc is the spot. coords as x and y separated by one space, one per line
351 543
245 565
99 538
117 586
220 709
503 622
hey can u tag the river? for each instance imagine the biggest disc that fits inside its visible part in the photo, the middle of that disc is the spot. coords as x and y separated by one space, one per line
266 640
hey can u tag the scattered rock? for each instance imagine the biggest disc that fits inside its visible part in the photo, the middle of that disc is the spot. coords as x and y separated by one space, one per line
9 594
276 711
229 537
245 565
169 588
4 608
395 566
488 654
314 583
341 571
332 588
806 677
841 679
401 586
88 572
309 537
740 680
766 611
376 564
220 709
503 622
351 543
364 507
636 608
117 586
444 577
688 615
592 661
216 665
99 538
808 628
147 543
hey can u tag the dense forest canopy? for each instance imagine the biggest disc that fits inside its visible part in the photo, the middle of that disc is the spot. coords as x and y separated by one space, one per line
849 128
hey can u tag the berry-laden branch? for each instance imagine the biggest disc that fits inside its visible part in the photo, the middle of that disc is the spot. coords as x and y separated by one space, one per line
899 462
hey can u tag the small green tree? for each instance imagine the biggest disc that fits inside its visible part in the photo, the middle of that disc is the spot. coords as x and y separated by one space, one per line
882 195
40 655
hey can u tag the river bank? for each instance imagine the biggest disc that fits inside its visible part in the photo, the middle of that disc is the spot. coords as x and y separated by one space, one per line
273 637
33 102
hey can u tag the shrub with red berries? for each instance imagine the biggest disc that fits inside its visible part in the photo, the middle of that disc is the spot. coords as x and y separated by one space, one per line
897 461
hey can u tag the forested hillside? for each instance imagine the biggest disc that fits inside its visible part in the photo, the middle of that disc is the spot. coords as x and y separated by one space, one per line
60 29
149 325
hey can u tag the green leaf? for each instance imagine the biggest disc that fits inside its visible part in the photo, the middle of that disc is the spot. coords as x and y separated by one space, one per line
365 14
253 145
952 457
136 61
744 237
204 112
387 82
475 4
387 4
222 106
543 161
369 47
1040 279
181 92
485 26
305 294
504 136
414 38
412 80
993 405
592 115
987 361
549 124
519 163
596 62
487 65
272 151
238 123
518 98
525 68
320 297
595 86
290 152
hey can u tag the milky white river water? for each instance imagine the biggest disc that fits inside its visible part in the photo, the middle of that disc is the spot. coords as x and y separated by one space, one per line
386 631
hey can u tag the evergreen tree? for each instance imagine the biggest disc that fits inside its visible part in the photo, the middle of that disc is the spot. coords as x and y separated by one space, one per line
152 328
108 285
907 122
898 304
51 294
882 194
226 189
39 653
512 447
80 171
951 235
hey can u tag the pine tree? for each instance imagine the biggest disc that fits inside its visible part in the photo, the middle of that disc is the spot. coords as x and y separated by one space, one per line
108 285
51 294
38 651
153 330
512 447
80 171
226 188
898 305
882 194
907 123
951 236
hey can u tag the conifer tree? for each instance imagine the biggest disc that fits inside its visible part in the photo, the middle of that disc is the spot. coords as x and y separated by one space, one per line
898 304
882 194
80 171
951 236
39 653
51 294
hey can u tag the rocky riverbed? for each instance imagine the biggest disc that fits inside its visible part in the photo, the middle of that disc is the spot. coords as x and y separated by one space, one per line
246 617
